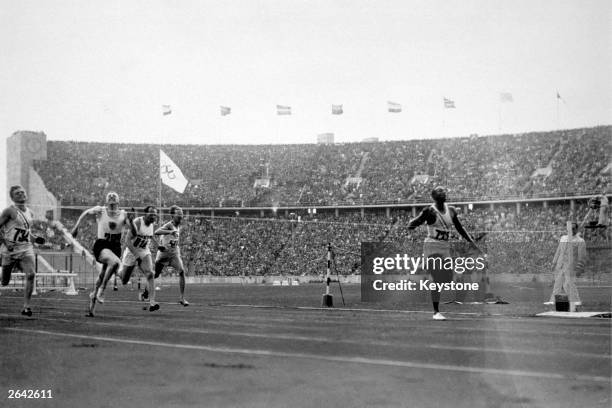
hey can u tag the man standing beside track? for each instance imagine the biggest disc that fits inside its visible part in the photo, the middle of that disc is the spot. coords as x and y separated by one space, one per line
439 217
15 241
569 259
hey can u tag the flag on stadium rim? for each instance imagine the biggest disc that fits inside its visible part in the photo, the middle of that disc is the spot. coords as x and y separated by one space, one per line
225 110
505 97
283 110
337 110
559 97
394 107
449 103
170 174
166 110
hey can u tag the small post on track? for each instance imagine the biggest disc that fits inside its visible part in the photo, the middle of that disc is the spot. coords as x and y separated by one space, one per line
328 300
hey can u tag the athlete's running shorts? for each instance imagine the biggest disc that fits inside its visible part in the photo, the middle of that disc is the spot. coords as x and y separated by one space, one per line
102 244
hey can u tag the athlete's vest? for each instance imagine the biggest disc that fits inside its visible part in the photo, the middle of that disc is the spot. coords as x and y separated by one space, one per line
144 234
16 232
441 228
169 241
110 227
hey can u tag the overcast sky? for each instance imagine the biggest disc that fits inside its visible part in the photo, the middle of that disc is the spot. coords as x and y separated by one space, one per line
101 70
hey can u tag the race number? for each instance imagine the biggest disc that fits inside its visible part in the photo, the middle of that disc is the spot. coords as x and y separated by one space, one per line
21 235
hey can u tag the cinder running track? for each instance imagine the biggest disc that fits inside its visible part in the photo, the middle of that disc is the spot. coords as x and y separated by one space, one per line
263 346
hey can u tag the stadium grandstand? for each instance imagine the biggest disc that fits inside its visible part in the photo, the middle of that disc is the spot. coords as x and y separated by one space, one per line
505 167
341 194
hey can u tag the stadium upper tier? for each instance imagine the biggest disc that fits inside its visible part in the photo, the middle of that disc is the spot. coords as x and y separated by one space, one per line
568 162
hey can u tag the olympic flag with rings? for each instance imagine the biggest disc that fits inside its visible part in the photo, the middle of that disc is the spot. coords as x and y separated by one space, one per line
170 173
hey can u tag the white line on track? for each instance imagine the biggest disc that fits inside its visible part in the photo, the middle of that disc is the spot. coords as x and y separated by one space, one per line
339 359
525 318
522 287
348 309
291 337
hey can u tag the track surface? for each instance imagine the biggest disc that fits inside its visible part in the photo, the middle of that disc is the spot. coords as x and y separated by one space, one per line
263 346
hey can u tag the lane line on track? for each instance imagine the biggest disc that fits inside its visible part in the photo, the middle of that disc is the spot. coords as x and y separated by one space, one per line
339 359
275 336
346 309
474 314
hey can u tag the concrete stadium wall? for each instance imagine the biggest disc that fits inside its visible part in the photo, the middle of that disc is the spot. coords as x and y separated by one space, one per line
356 279
40 199
22 148
258 280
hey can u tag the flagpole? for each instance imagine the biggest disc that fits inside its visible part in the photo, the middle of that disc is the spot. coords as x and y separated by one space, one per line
277 124
443 119
159 183
499 117
166 110
558 110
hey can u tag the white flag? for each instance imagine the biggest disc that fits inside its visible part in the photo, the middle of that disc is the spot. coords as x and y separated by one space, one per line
170 174
283 110
505 97
449 103
394 107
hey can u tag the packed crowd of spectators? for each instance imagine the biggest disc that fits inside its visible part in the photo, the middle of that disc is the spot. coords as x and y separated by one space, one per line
475 168
228 246
578 163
